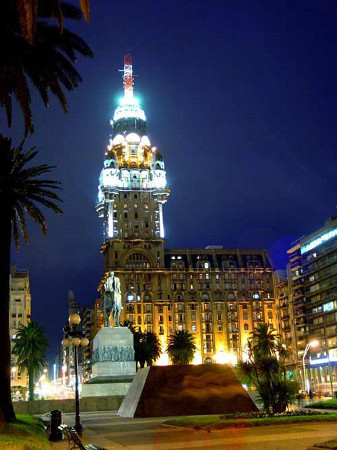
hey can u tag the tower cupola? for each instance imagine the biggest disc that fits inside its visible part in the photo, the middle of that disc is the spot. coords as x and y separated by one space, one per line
132 185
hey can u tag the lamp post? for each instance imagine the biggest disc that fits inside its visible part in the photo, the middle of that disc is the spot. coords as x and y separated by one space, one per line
309 344
75 337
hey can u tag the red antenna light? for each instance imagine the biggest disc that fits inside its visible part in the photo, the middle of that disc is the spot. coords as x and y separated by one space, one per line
127 77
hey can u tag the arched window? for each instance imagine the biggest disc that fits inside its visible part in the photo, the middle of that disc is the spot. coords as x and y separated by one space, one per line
137 261
147 298
245 327
205 297
231 297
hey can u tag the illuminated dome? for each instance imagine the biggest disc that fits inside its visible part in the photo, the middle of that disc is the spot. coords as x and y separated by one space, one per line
118 139
145 141
129 109
133 138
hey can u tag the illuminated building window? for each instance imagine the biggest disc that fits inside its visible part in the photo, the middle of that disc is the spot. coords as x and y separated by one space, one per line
245 326
194 328
245 316
219 327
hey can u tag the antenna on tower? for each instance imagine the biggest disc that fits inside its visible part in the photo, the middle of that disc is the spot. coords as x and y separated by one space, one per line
128 77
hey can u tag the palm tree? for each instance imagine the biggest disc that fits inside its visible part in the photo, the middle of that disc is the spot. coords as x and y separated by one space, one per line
151 349
265 369
181 347
30 348
27 11
147 346
21 190
47 63
264 339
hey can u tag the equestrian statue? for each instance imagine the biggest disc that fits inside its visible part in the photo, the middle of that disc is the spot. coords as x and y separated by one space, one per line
112 299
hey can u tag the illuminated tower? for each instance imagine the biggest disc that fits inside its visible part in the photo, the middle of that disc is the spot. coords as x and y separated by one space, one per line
132 187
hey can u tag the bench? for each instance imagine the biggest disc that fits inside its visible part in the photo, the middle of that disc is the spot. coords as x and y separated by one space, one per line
74 440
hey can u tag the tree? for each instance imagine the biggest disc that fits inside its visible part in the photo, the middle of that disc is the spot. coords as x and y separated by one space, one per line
181 347
27 11
30 348
47 62
149 349
147 346
265 370
21 190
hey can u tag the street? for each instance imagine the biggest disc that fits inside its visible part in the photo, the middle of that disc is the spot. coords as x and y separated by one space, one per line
113 432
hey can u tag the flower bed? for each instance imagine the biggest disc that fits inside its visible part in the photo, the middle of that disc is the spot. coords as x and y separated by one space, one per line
262 415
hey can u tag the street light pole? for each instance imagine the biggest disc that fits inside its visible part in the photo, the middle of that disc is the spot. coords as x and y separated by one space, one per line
77 338
303 362
309 344
78 425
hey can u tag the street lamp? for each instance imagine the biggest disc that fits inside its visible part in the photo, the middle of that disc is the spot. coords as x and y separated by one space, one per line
75 337
309 344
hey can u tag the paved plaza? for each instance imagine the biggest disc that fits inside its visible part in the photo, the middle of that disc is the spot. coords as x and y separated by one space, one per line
113 432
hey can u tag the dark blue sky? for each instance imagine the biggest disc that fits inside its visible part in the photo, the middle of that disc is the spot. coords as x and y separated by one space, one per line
241 100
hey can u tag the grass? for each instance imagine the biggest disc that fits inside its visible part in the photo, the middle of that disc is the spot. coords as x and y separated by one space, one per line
325 404
27 433
214 422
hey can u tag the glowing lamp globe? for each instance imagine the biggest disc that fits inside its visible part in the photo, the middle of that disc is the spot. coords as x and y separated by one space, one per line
84 342
74 319
75 341
66 342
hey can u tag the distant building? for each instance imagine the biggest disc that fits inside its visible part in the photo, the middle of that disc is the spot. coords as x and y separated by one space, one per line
313 281
20 314
219 295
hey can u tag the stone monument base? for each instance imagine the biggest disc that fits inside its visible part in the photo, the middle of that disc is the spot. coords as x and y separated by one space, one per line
160 391
114 365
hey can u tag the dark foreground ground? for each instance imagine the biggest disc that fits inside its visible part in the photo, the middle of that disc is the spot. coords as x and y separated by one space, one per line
113 432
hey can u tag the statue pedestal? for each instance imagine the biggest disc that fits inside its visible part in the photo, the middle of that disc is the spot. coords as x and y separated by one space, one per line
114 365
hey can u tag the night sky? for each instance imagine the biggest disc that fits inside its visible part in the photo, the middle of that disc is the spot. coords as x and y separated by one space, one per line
241 100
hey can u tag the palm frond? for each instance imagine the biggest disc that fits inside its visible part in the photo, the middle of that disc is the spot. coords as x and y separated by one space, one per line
41 52
22 190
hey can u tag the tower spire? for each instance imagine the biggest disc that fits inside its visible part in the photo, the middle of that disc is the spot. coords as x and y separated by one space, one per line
128 77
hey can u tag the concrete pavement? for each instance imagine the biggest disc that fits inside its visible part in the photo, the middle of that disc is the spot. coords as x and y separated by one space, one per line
115 433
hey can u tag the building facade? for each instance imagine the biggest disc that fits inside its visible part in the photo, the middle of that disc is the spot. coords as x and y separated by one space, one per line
312 273
20 314
219 295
